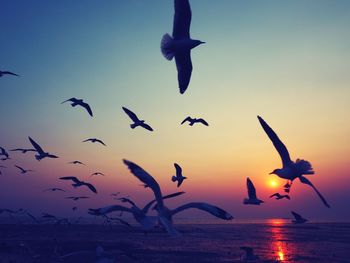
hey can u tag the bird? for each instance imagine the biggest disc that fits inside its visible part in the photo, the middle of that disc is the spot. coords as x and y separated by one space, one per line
78 183
54 189
3 73
23 150
115 194
290 170
178 177
77 162
298 218
97 173
76 198
4 153
23 171
192 121
41 154
93 140
136 120
249 256
279 196
80 102
252 198
74 208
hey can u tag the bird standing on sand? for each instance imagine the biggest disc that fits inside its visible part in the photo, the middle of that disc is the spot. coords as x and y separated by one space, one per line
180 44
79 102
93 140
178 177
298 218
279 196
192 121
41 154
78 183
3 73
23 171
252 198
290 170
136 120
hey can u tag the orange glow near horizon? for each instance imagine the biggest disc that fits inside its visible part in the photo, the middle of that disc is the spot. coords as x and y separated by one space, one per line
273 184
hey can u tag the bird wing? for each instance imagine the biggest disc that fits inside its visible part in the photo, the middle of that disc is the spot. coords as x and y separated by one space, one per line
187 119
101 142
296 216
178 170
280 147
91 187
109 209
182 19
275 194
148 206
74 179
304 180
71 99
87 107
184 69
251 189
20 168
214 210
203 121
9 73
131 115
146 126
36 146
127 200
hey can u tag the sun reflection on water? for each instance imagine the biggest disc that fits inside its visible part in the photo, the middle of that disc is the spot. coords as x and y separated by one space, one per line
278 244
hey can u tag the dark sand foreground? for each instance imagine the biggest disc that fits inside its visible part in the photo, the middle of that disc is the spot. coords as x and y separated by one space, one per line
275 242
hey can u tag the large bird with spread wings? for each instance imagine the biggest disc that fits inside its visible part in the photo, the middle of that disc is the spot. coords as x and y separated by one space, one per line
252 198
136 120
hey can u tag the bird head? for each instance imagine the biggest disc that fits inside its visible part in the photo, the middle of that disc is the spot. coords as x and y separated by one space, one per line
276 171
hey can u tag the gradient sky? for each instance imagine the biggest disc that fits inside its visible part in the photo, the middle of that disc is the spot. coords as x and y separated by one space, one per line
287 61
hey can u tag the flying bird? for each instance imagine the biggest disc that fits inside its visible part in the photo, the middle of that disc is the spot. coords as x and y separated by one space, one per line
41 154
180 44
279 196
76 198
23 150
136 120
298 218
290 170
97 173
78 183
178 177
3 73
192 121
23 171
252 198
80 102
93 140
4 153
77 162
54 189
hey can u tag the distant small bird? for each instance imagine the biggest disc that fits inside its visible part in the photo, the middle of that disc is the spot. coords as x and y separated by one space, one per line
23 171
78 183
249 256
23 150
3 73
192 121
252 198
4 153
291 170
74 208
298 218
136 120
41 154
93 140
279 196
115 194
77 162
54 189
180 45
80 102
97 173
76 198
178 177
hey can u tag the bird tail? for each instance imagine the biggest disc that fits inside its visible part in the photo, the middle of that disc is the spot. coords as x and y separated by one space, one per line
133 125
174 179
304 167
165 47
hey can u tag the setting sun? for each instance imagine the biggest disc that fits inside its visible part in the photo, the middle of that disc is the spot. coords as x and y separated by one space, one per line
273 183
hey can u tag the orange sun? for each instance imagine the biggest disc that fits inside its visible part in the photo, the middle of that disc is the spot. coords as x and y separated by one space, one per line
273 183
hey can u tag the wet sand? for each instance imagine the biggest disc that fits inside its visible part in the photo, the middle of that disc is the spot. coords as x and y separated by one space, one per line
273 242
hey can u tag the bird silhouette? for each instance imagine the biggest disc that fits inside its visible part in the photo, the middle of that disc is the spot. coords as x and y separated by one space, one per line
279 196
23 150
79 102
41 154
54 189
94 140
298 218
76 198
290 170
180 44
192 121
252 198
23 171
76 162
97 173
78 183
3 73
3 152
178 177
136 120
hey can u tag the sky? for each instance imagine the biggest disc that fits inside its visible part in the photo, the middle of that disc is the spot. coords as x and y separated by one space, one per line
286 61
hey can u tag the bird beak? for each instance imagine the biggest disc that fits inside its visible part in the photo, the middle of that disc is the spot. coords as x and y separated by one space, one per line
271 172
202 42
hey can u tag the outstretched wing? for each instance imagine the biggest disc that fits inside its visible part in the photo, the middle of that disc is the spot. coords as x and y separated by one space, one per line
91 187
251 189
74 179
20 168
184 69
146 126
211 209
296 216
131 115
9 73
203 121
187 119
87 107
108 209
280 147
304 180
36 146
182 19
275 194
101 142
178 170
71 99
148 206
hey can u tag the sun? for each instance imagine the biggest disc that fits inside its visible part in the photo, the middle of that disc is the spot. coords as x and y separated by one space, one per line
273 183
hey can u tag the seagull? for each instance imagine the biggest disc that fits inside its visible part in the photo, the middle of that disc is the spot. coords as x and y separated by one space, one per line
76 198
178 177
192 121
53 189
4 153
180 44
298 218
136 120
249 255
252 198
279 196
41 154
291 170
23 150
93 140
3 73
23 171
97 173
78 183
77 162
75 102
